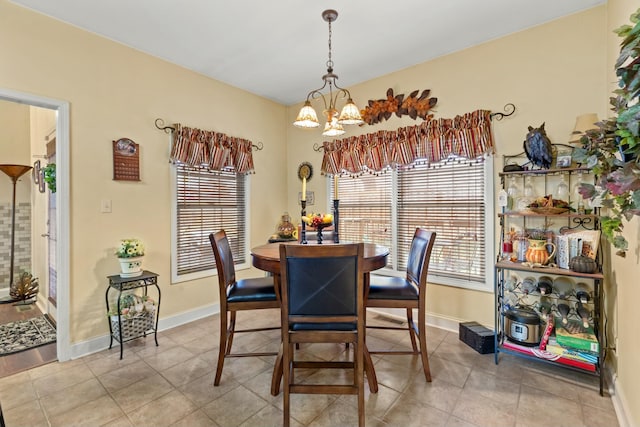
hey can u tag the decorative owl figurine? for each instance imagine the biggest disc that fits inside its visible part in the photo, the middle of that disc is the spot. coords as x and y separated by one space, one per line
538 148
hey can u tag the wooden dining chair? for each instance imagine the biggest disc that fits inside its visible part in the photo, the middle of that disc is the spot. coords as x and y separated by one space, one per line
322 302
407 292
237 295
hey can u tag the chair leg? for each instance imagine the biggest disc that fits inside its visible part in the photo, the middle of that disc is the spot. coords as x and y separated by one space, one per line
222 348
277 373
359 374
412 333
232 329
422 336
286 381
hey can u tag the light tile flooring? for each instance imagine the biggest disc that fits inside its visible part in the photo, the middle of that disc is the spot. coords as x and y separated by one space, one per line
172 385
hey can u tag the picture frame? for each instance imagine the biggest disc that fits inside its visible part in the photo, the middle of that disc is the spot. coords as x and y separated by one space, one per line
563 159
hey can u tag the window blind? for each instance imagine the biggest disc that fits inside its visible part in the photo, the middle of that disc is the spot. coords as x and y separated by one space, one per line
365 209
448 199
207 202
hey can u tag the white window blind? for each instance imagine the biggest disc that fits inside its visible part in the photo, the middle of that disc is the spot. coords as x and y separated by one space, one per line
205 203
448 198
365 209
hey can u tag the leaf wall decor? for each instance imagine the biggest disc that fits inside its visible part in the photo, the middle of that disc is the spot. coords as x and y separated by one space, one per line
413 106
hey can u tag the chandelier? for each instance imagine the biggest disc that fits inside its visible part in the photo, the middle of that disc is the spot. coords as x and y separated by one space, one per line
350 114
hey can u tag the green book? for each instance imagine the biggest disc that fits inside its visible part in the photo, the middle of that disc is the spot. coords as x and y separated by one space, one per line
575 336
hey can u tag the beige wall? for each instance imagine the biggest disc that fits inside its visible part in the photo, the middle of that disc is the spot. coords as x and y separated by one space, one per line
14 149
117 92
622 283
552 73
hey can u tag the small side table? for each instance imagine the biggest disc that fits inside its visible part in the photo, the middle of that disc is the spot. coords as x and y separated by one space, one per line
121 284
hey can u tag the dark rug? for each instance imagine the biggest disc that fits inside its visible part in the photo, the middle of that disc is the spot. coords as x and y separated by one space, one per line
25 334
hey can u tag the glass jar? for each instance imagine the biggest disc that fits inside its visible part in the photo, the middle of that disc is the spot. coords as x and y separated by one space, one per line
285 228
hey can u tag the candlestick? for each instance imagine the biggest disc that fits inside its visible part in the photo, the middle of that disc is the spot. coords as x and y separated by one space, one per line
335 187
304 189
303 231
336 221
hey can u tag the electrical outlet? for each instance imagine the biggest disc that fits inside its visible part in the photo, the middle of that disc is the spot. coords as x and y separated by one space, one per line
105 206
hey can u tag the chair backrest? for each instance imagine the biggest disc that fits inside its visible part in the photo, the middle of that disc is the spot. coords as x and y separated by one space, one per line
224 261
419 256
322 283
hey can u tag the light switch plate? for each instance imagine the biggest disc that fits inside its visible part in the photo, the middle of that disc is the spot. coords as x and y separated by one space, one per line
105 206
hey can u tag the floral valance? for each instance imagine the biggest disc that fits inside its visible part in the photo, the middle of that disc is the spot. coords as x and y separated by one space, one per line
210 150
467 136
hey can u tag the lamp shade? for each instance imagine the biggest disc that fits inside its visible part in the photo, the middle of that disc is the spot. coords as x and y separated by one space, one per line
307 117
332 127
584 122
350 114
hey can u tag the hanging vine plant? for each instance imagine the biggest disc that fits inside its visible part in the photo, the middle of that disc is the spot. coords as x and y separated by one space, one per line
49 176
613 149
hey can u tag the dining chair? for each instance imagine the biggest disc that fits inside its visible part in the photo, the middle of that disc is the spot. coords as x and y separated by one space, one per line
407 292
238 295
322 302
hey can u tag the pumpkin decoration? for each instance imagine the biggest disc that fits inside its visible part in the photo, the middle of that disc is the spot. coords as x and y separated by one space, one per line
583 264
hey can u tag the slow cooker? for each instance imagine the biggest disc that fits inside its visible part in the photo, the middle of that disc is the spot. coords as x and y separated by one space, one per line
522 325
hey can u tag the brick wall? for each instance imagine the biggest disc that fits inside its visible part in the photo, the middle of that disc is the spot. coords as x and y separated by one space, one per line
22 252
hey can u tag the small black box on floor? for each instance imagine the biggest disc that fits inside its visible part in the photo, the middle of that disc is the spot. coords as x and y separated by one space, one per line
477 337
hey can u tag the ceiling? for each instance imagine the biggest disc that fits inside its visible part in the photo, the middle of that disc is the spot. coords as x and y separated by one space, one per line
278 49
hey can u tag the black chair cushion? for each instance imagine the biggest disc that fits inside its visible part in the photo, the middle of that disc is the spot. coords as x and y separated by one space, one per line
386 287
323 327
251 290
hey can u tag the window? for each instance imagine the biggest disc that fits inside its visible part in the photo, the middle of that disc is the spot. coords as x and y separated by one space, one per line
206 202
448 198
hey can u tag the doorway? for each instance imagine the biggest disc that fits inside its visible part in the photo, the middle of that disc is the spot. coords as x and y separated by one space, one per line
60 215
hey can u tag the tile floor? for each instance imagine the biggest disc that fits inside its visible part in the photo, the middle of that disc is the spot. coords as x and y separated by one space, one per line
172 385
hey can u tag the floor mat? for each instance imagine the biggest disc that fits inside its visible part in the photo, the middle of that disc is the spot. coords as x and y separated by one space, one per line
25 334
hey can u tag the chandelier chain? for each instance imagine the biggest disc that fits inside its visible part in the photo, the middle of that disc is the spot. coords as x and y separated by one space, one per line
330 61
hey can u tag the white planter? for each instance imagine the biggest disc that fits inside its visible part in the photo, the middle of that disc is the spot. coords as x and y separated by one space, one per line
131 267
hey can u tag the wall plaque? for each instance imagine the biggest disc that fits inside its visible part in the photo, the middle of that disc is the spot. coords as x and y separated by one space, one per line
126 160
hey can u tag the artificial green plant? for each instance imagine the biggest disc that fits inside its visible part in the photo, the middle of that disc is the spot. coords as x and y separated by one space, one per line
613 149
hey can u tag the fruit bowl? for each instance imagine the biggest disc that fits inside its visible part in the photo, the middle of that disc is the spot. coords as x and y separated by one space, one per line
318 220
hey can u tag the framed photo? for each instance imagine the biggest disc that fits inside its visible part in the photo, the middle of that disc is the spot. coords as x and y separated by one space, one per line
563 160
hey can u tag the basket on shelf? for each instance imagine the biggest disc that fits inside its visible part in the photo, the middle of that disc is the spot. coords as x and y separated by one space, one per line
134 326
549 210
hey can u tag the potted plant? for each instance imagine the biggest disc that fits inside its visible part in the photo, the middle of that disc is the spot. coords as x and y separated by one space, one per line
612 150
49 176
130 255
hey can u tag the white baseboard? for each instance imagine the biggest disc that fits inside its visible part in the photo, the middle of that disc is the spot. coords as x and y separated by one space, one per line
620 403
448 324
100 343
4 292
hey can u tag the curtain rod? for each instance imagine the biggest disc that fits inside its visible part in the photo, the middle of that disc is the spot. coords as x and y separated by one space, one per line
168 129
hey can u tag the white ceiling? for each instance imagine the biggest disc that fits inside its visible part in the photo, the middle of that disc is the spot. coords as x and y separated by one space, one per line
278 49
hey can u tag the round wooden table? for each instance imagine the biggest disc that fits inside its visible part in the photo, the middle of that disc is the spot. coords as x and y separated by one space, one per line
267 257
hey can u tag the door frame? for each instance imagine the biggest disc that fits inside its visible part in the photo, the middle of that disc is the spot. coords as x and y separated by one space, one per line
62 213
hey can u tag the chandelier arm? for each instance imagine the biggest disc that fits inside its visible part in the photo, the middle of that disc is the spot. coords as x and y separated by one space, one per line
316 94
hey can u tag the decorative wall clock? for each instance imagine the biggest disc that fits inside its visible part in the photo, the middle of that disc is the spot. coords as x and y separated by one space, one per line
305 170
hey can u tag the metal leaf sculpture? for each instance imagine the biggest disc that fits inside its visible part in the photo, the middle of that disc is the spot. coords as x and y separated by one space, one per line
538 148
25 288
413 106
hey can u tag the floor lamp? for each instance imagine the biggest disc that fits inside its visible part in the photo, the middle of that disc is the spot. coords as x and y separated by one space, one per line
14 172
